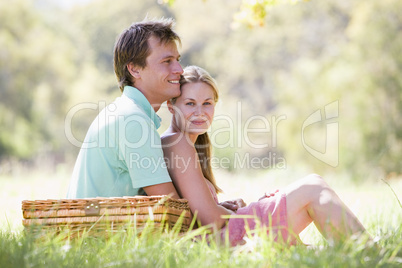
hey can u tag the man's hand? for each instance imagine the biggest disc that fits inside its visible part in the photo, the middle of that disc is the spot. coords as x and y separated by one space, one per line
234 204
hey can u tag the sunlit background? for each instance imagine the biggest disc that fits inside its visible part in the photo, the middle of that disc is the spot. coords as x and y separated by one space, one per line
305 87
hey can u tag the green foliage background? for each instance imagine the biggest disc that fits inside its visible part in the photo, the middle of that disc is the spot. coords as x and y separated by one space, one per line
295 60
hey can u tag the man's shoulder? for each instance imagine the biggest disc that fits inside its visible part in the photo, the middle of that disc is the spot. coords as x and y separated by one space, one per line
126 106
125 111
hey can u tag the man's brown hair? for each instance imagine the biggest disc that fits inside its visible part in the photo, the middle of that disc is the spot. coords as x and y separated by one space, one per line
132 46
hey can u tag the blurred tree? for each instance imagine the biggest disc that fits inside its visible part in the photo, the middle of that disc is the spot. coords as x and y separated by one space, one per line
251 13
38 61
102 21
358 65
375 35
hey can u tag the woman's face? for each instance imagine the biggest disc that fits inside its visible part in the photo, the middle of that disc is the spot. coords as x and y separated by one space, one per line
194 109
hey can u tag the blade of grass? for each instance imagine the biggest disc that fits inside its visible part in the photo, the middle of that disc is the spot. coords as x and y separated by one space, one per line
393 192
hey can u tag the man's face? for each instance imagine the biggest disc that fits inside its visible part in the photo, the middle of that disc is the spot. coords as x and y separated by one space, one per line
159 80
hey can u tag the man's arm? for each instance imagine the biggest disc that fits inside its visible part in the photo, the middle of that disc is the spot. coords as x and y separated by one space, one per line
140 146
162 189
234 204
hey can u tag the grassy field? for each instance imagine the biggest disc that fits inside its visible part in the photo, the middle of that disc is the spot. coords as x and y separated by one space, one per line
374 203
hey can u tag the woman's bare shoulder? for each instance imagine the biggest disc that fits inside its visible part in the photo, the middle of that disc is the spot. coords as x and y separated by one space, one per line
169 137
175 141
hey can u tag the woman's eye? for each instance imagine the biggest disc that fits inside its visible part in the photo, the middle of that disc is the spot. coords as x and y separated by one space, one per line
190 103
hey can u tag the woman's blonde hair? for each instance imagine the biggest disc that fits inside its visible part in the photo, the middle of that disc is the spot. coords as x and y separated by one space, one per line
195 74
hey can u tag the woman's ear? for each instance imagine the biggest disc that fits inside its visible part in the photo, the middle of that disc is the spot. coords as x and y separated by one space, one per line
170 106
134 70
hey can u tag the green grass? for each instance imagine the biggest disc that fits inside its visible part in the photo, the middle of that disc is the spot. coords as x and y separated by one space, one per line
374 203
167 249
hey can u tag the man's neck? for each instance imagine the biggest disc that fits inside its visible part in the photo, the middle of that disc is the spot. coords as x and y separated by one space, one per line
155 105
156 108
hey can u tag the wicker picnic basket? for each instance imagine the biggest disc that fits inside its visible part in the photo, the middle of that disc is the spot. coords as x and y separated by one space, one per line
99 216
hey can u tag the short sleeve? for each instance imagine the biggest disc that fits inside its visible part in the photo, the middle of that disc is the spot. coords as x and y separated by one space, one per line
140 151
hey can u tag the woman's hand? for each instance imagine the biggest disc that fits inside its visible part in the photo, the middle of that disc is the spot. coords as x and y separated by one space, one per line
234 204
267 195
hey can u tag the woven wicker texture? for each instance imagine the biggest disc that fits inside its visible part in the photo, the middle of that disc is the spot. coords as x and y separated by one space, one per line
97 214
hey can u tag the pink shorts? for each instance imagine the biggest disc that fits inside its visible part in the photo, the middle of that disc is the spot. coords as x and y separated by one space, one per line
269 212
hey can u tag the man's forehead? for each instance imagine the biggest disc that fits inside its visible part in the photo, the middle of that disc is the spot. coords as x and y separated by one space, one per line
163 49
156 41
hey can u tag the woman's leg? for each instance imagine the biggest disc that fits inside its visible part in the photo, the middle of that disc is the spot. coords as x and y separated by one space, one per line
312 200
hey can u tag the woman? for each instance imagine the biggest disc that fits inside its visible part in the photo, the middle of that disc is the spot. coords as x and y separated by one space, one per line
187 150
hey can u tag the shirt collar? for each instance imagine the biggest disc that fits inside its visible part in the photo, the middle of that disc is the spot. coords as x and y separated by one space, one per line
139 98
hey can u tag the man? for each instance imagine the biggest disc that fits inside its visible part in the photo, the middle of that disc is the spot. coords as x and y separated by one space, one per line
121 154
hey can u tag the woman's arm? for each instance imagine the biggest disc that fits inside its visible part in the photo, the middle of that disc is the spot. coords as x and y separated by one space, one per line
185 171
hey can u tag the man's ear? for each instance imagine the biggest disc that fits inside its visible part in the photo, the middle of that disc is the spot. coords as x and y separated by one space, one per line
170 106
134 70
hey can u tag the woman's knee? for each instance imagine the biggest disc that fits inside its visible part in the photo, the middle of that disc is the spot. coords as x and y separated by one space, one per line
316 181
306 189
313 186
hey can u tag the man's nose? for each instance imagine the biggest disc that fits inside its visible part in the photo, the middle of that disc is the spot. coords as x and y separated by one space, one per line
177 68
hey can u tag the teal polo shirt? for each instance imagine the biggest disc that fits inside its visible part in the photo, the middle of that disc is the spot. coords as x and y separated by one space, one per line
121 152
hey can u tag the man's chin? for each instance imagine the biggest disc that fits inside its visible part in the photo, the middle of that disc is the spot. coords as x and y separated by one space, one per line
175 93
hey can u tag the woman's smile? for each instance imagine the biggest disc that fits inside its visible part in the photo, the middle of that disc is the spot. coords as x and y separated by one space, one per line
194 109
198 122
